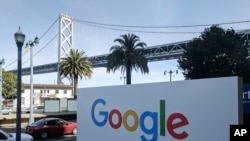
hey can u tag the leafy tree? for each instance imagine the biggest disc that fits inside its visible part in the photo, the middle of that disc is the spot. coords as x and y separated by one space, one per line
9 85
75 65
128 55
216 53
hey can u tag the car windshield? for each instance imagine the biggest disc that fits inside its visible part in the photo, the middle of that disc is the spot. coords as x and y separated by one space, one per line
38 123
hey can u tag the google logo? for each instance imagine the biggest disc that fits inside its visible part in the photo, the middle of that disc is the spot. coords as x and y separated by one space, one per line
168 123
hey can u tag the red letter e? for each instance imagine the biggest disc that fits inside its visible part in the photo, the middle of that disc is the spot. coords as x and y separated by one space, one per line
171 126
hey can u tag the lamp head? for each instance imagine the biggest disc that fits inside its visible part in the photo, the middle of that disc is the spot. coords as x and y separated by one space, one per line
36 40
2 62
27 47
165 72
19 37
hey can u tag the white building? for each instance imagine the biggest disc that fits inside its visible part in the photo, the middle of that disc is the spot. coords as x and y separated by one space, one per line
45 91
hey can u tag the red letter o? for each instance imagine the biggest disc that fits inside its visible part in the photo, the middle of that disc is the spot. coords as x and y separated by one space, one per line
118 124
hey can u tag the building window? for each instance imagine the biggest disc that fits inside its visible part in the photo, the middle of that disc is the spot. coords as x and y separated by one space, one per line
57 91
47 91
65 92
41 91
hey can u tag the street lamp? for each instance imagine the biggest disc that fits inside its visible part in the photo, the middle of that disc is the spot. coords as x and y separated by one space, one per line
124 78
1 85
170 73
19 38
29 46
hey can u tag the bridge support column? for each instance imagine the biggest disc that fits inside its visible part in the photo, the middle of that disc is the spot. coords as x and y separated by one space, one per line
65 42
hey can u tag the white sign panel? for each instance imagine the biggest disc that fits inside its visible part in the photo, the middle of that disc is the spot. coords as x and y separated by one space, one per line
193 110
51 105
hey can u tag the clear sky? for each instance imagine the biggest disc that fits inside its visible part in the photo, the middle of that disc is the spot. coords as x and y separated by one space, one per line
35 17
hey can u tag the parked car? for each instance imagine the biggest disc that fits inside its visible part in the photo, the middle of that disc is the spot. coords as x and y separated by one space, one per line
6 111
36 109
49 127
12 136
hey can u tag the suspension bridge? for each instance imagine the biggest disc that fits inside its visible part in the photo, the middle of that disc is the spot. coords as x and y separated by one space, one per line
62 41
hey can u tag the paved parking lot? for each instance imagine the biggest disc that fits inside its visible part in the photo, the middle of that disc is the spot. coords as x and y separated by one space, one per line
11 127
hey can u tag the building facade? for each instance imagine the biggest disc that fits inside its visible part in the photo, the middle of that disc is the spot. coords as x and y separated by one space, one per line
45 91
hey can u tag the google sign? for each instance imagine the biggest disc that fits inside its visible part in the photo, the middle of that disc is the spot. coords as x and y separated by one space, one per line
184 110
122 119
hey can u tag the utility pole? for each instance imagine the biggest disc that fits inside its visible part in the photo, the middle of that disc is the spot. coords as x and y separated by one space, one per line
29 46
1 85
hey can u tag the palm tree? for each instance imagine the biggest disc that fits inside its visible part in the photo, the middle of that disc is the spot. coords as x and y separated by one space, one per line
127 56
75 65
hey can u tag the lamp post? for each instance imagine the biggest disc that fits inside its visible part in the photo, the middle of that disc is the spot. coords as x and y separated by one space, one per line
19 38
170 73
1 85
29 46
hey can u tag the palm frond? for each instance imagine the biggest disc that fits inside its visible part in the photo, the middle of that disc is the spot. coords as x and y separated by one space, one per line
75 64
128 53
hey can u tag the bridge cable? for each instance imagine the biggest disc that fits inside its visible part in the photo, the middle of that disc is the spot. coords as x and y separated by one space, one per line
172 26
49 29
141 31
42 48
38 39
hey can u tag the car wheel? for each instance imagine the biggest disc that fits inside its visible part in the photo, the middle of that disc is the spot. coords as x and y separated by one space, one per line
74 131
44 135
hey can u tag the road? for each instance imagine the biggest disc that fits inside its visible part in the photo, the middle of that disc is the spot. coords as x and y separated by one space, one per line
11 128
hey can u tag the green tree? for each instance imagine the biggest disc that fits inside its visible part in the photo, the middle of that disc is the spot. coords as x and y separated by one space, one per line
9 85
75 65
128 55
216 53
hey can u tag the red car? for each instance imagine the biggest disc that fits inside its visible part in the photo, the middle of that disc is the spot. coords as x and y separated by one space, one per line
48 127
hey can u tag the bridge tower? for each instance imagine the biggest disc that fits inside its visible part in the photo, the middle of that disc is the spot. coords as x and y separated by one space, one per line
66 42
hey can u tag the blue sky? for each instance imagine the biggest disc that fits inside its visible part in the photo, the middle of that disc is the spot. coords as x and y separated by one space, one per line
35 17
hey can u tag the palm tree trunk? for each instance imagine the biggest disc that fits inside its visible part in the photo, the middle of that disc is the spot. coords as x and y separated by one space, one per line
128 73
75 86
